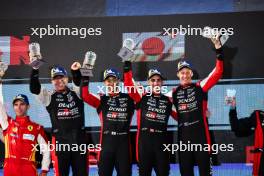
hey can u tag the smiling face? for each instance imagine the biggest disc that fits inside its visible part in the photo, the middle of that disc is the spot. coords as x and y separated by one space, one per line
155 82
60 83
20 108
111 84
185 76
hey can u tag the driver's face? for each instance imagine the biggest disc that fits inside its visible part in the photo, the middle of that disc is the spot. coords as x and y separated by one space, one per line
112 84
155 82
60 83
185 76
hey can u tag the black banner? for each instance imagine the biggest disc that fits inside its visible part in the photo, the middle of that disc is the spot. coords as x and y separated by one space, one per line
243 50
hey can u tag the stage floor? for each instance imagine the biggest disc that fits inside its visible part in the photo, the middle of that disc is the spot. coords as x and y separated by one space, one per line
227 169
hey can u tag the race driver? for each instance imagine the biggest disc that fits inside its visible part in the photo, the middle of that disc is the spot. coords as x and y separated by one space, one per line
190 100
153 112
66 110
242 127
21 136
115 110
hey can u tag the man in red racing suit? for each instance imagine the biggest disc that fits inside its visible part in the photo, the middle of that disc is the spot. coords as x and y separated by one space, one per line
21 137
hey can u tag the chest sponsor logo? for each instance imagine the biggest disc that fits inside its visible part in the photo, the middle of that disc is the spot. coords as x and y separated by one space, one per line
190 90
122 105
162 106
67 105
67 112
152 115
156 110
14 135
180 92
30 137
182 106
191 95
152 100
117 109
187 100
163 101
59 99
59 96
112 114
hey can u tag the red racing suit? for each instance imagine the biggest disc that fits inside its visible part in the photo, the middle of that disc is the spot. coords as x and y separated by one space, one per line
21 136
153 112
190 102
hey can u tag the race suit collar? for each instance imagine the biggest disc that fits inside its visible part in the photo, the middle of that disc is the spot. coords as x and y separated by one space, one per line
63 92
22 119
186 85
114 94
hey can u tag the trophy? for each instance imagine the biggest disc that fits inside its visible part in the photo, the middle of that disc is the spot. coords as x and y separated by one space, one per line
88 64
230 95
126 52
210 33
35 55
3 68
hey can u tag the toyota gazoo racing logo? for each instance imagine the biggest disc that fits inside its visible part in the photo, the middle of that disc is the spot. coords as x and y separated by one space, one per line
151 115
182 106
67 112
64 112
112 114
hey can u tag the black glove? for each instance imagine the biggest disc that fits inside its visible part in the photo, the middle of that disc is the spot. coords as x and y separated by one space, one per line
76 77
127 66
34 84
219 54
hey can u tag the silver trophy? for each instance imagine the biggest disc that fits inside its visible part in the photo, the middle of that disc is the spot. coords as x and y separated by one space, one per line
126 52
210 33
88 64
3 68
230 95
35 55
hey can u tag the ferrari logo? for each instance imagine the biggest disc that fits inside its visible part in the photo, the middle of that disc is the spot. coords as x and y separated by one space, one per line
30 127
14 129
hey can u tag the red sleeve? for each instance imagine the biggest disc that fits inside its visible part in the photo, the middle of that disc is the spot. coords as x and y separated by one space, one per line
174 115
89 98
213 77
131 87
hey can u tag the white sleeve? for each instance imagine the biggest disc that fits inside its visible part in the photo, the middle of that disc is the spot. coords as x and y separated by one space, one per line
44 150
1 135
77 90
44 96
3 115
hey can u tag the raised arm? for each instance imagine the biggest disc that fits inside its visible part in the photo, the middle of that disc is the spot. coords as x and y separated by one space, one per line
3 115
76 78
216 74
242 126
129 83
43 95
91 99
